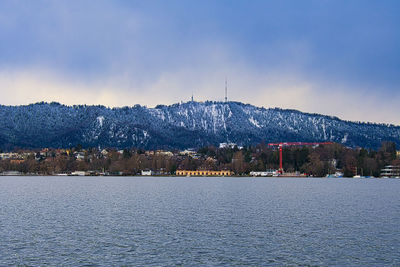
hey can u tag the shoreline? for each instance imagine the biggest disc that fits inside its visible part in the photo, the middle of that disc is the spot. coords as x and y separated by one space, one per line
179 176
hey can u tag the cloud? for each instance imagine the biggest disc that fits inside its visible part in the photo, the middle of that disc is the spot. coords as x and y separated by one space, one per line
273 90
327 58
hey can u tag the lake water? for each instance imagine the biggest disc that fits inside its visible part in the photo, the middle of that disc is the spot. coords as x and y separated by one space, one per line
103 221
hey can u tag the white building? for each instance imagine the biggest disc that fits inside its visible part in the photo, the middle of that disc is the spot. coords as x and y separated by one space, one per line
164 153
268 173
78 173
147 172
9 155
79 156
229 145
391 171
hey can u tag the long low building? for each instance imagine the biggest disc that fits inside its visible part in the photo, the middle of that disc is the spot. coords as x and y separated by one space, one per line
203 173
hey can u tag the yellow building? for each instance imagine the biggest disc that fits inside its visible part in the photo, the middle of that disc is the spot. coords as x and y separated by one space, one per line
203 173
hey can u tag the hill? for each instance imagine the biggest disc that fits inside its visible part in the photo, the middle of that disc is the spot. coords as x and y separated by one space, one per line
178 126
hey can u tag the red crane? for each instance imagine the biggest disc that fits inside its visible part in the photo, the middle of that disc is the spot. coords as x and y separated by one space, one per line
281 145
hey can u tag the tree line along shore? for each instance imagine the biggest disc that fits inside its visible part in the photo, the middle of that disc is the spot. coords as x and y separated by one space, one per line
317 161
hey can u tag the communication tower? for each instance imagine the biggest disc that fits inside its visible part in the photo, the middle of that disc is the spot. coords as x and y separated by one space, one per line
226 90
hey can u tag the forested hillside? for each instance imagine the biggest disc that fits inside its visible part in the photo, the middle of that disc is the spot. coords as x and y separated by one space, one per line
178 126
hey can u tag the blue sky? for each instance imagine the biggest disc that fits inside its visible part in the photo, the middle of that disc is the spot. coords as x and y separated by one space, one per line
332 57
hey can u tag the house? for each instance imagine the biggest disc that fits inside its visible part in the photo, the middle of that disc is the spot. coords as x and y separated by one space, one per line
149 153
147 173
268 173
44 152
391 171
229 145
104 152
78 173
189 152
11 173
164 153
79 156
9 155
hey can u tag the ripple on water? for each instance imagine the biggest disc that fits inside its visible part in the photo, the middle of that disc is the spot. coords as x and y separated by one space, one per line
97 221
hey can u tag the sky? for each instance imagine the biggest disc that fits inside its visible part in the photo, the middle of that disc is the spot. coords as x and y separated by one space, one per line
339 58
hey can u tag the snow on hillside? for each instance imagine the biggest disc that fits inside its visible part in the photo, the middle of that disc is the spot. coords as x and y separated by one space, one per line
190 124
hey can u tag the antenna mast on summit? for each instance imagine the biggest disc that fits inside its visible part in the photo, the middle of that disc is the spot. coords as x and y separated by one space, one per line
226 90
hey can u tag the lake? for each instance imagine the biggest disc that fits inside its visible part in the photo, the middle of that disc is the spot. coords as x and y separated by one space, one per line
158 221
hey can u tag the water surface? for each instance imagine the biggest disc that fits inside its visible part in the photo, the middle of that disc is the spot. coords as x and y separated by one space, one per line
199 221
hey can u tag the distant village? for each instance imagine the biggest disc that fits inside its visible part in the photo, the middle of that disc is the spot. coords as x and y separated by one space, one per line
228 159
